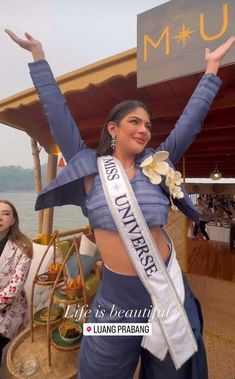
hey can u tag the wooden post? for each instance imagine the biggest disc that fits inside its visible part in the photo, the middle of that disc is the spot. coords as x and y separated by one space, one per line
184 170
188 224
37 177
48 213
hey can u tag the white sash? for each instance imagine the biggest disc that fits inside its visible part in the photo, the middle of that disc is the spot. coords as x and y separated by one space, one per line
173 332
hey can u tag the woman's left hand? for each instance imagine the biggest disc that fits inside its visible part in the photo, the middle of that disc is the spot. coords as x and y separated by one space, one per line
214 58
29 43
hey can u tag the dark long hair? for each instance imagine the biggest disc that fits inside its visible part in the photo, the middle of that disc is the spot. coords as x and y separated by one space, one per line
117 113
16 236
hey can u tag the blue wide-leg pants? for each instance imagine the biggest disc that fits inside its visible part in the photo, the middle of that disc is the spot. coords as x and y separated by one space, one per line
116 357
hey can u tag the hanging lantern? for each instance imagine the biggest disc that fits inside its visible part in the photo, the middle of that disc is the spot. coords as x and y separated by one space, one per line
215 174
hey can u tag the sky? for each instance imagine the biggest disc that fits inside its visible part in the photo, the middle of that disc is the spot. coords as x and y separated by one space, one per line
74 33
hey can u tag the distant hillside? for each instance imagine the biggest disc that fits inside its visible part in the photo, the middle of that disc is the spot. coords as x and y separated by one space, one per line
16 178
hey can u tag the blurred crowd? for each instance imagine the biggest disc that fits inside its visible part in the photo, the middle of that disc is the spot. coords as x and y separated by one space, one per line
220 207
213 209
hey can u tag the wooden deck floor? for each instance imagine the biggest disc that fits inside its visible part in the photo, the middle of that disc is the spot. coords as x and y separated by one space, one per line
211 258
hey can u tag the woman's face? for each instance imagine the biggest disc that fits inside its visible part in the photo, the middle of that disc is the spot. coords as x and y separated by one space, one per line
133 132
6 218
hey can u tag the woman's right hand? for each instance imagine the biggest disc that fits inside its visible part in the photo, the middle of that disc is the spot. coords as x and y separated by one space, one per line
30 44
214 58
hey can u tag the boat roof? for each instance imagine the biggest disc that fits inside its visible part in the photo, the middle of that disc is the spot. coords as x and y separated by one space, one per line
93 90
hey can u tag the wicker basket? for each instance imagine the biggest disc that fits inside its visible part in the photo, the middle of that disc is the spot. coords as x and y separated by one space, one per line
64 364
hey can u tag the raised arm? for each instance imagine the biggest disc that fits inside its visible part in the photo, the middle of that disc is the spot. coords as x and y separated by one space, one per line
62 124
195 112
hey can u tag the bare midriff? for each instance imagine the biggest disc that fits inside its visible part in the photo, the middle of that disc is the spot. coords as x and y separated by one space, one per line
114 253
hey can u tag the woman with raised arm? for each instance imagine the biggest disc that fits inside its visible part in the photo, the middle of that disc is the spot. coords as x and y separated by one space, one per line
125 190
15 258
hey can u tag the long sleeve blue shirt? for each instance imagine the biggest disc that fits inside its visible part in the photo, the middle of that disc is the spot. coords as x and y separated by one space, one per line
68 187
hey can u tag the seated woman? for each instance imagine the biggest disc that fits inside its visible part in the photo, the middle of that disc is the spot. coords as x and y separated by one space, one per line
15 258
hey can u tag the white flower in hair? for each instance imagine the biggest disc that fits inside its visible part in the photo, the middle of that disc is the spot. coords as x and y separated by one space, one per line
154 166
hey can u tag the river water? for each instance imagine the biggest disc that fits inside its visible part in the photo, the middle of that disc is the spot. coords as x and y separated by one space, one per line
66 217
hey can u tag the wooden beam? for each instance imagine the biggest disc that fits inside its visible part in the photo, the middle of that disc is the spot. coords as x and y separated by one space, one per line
47 226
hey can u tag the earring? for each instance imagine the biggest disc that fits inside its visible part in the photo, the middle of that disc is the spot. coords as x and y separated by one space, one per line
113 143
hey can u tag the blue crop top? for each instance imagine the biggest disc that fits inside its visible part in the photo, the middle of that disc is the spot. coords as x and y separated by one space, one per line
152 201
68 186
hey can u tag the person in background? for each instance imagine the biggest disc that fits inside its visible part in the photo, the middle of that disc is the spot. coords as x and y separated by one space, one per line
204 216
16 252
